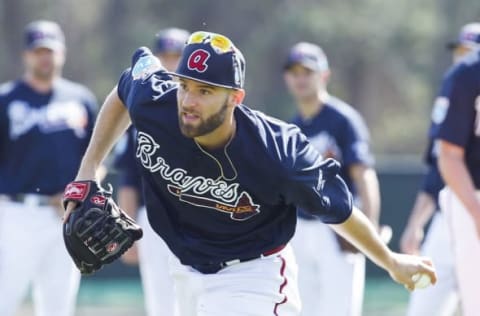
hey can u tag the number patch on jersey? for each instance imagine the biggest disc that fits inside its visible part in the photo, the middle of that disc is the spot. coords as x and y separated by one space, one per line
440 109
145 67
198 60
477 116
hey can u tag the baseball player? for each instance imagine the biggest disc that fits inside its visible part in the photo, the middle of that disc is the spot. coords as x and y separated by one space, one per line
153 253
41 114
443 298
221 183
336 130
458 137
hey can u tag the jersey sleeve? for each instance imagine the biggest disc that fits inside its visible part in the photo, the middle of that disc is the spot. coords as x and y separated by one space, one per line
124 161
355 142
4 126
307 185
123 86
91 104
457 125
144 65
433 182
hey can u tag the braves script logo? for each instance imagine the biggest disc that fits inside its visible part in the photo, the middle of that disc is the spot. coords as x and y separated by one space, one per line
199 191
76 191
198 60
49 118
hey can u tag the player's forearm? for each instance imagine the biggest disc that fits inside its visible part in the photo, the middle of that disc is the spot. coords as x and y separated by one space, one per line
111 123
360 232
128 200
456 176
366 182
422 210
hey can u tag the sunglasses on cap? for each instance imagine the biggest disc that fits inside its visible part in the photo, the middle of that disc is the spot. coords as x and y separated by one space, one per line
221 44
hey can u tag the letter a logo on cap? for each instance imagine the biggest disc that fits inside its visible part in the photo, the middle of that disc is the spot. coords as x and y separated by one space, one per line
198 60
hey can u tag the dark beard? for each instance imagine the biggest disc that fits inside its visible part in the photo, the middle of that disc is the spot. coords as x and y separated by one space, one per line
206 126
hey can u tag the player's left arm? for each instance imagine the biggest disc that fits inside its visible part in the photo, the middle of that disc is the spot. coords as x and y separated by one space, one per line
455 174
358 230
455 133
366 183
358 158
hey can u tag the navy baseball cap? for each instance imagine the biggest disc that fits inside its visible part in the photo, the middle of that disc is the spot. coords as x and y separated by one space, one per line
44 33
308 55
171 40
469 36
213 59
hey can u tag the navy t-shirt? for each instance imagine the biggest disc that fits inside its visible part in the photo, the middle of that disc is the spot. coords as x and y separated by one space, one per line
43 136
338 131
125 161
461 122
234 202
432 182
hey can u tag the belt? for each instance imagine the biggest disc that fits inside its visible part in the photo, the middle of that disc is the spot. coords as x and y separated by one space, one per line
29 199
210 268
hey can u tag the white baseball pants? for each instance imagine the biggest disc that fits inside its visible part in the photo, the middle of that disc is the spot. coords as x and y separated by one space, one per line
260 287
32 252
466 251
331 282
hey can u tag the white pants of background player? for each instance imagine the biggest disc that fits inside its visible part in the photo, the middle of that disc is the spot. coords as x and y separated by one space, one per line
331 282
441 299
466 251
32 252
265 286
154 269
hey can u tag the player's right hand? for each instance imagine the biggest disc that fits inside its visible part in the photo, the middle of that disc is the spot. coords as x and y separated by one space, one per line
411 240
404 267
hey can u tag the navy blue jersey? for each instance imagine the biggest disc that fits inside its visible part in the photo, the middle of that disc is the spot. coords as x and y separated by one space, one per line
439 111
461 122
432 182
338 131
215 206
43 136
125 161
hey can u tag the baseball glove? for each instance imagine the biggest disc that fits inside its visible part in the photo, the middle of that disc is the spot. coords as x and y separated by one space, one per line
97 231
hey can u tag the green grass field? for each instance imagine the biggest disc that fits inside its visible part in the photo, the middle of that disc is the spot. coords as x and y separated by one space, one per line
125 298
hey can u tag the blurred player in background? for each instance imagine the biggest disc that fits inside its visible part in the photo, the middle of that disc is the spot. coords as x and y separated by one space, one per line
152 251
336 130
458 136
443 298
41 114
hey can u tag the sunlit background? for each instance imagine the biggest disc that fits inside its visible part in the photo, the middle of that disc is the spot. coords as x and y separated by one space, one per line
387 59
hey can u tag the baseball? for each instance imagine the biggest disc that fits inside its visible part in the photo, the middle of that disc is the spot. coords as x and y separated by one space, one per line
421 280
